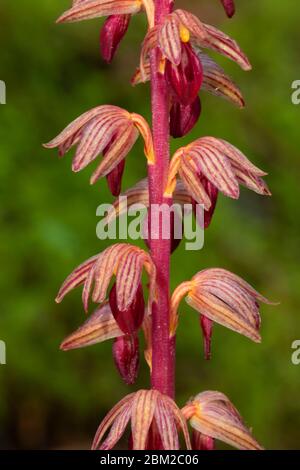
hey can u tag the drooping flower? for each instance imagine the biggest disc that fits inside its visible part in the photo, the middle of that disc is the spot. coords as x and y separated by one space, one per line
127 358
212 414
180 39
224 298
108 129
218 162
144 409
229 7
182 27
112 33
123 260
215 81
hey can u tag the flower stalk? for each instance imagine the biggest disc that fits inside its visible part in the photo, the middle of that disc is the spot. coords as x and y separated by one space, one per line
163 357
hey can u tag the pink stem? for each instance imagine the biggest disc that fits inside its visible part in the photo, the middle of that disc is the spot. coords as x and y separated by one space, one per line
163 348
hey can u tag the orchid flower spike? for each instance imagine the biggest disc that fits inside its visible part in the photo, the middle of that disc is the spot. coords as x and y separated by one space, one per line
123 260
105 129
213 415
218 162
224 298
144 409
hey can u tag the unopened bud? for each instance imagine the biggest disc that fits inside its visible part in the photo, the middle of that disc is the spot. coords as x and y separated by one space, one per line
184 117
112 33
229 7
127 358
130 320
114 179
207 327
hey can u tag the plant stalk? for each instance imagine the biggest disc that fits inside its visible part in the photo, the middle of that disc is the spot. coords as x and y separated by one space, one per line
163 348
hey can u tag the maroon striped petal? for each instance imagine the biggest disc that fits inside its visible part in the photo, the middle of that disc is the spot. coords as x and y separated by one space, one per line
98 8
118 428
99 327
169 40
216 82
143 409
76 278
166 425
123 407
212 414
219 42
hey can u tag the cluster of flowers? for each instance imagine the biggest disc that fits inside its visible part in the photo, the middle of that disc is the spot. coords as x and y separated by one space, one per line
198 172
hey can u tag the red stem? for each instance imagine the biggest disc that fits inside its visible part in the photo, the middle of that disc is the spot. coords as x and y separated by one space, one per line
163 348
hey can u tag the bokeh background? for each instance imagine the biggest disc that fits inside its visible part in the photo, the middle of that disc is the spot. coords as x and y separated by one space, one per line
51 399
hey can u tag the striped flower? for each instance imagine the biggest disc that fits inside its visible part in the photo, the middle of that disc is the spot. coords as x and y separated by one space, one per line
125 262
218 162
89 9
145 409
224 298
105 129
215 81
182 27
213 415
229 7
181 39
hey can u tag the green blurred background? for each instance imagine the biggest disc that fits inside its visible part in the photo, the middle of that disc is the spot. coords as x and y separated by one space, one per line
51 399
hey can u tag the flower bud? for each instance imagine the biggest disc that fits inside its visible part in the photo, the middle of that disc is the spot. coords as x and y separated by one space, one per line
130 320
186 78
127 358
229 7
114 179
112 33
206 326
184 117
